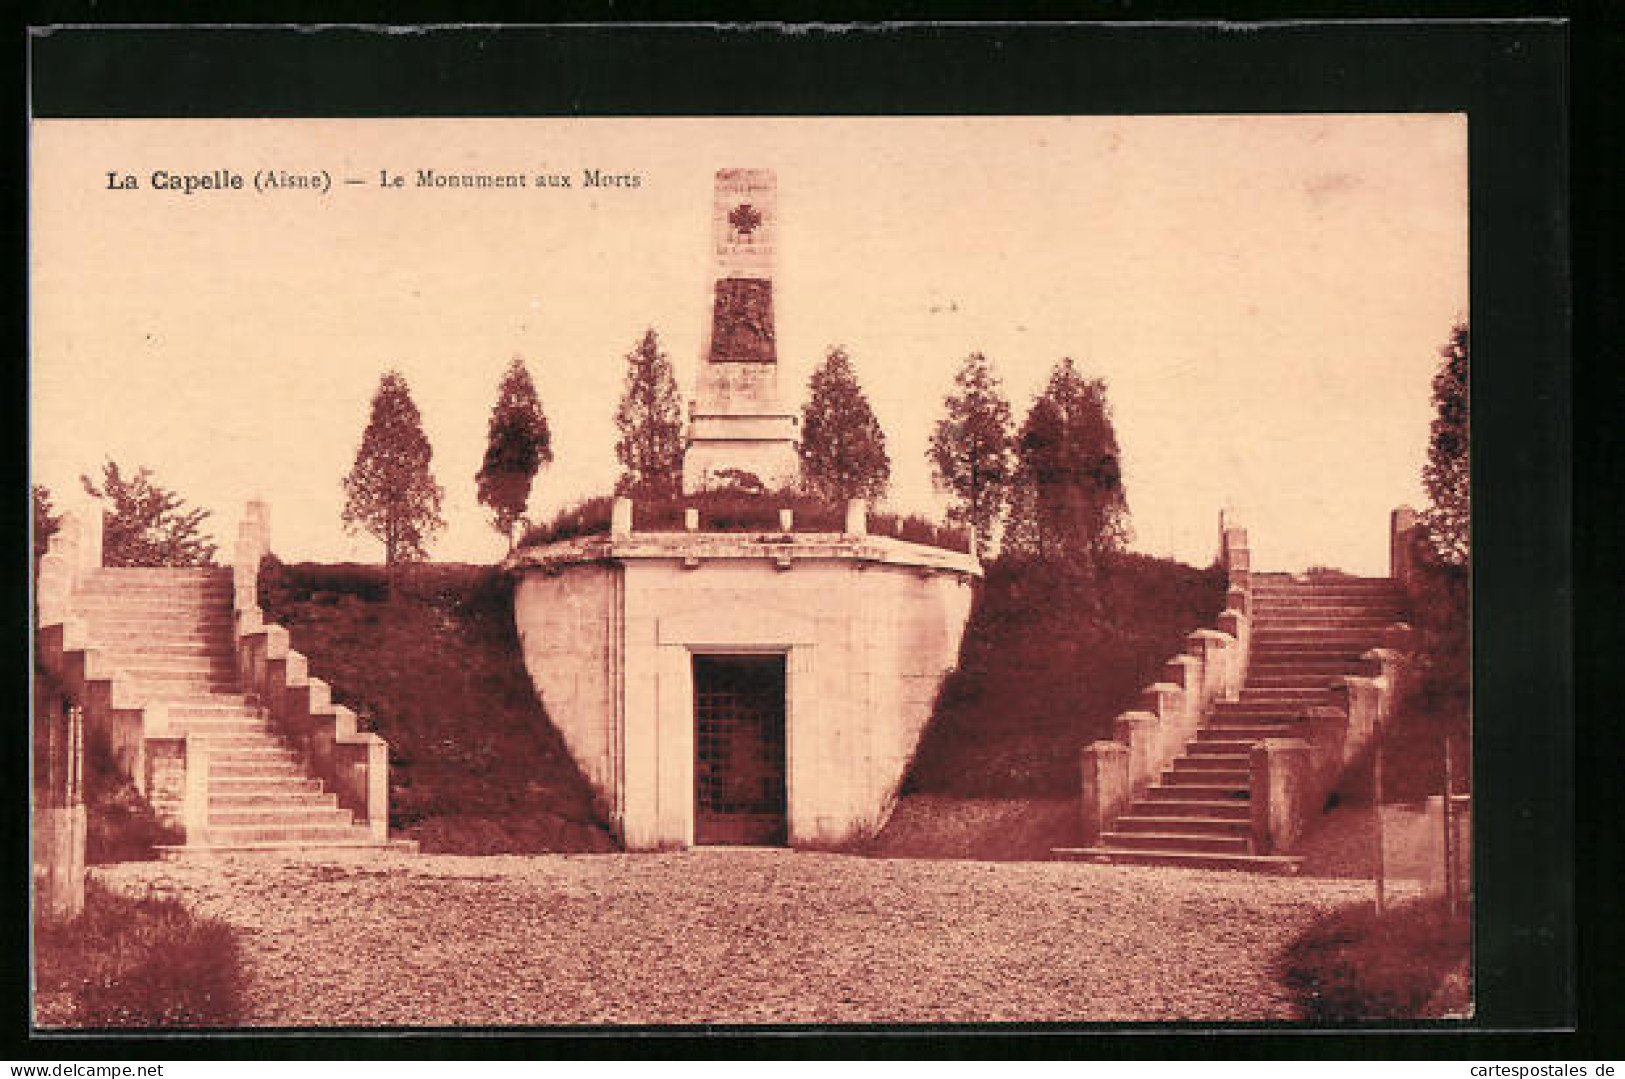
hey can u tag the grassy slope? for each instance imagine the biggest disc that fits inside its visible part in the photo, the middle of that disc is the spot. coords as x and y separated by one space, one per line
1352 966
1040 676
136 962
475 764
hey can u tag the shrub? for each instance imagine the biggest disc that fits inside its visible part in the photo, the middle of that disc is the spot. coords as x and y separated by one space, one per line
587 518
120 825
137 962
915 529
1352 966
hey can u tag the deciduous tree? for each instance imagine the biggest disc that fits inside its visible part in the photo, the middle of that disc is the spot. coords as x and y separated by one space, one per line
144 524
843 449
518 445
970 450
650 421
45 522
1445 476
390 491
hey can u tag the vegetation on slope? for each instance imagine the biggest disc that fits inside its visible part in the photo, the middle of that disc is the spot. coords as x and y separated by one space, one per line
136 962
1353 966
1045 668
433 665
739 511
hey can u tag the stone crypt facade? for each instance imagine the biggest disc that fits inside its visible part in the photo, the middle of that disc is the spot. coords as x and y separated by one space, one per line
763 687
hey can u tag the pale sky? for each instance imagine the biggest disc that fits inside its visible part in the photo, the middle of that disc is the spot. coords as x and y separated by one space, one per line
1264 296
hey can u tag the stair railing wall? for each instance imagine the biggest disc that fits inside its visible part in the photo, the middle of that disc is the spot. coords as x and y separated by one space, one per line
354 764
1146 740
137 732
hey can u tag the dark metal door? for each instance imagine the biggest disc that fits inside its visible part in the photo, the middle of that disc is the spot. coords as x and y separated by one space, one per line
739 794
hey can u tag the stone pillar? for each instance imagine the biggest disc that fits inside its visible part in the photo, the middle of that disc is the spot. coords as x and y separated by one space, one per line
63 832
857 517
1404 530
1281 775
1106 787
620 519
1138 731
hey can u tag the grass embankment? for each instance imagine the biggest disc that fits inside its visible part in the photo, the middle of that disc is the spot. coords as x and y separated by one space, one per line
433 665
1352 966
1043 671
136 962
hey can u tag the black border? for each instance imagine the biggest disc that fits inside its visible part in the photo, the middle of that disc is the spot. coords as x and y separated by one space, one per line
1511 78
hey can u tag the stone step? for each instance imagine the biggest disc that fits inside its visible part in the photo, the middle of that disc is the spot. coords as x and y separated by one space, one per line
1199 792
1232 810
1306 652
1184 775
257 785
1276 711
235 801
253 769
1219 746
324 834
1310 680
214 651
1183 825
221 663
1320 638
1279 864
287 815
1308 696
1274 626
351 844
194 624
224 742
1174 841
1212 762
1251 734
262 749
218 705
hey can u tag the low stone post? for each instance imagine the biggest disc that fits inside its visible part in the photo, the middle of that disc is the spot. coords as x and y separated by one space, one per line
1404 530
63 813
787 520
1239 627
1328 734
620 519
1280 770
1139 732
195 792
857 517
691 519
1217 652
1106 787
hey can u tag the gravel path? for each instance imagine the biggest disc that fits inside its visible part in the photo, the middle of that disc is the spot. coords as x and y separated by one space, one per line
743 936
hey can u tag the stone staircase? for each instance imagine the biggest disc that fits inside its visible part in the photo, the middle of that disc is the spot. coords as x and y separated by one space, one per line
1306 635
169 632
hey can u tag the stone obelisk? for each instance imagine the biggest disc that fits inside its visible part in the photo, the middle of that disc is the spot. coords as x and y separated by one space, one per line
737 426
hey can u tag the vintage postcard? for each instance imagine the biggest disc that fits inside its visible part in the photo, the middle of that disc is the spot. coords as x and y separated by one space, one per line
754 571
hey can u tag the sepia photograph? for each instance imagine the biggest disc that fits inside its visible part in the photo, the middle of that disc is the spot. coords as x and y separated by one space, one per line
546 572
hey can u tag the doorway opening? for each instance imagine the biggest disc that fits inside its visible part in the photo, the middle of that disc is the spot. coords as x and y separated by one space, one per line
739 750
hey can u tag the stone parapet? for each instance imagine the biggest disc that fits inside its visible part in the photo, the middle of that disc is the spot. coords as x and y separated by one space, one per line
354 764
1169 712
1282 794
1106 787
